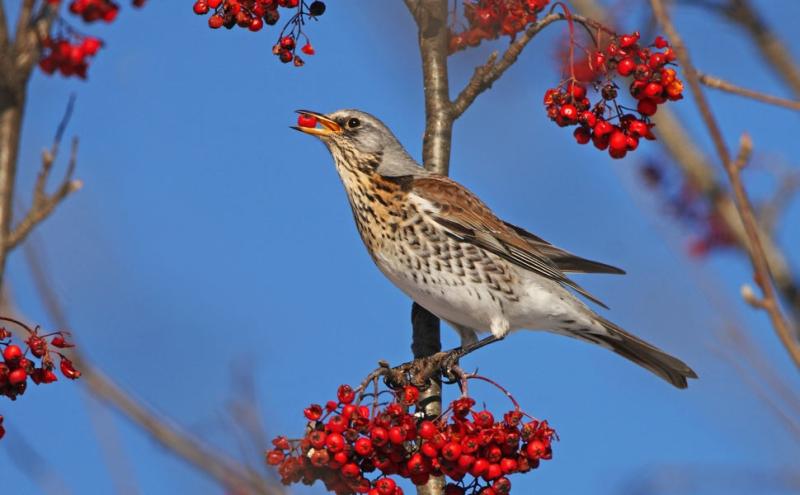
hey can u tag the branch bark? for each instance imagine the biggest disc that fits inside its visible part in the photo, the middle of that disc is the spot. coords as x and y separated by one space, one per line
431 18
758 258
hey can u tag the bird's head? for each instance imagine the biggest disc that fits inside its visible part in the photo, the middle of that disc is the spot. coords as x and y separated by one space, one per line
353 133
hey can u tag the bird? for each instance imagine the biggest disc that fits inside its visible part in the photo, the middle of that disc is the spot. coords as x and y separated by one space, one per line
448 251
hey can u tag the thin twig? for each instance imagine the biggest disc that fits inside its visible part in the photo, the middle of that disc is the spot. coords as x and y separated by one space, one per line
485 75
756 252
226 471
717 83
43 203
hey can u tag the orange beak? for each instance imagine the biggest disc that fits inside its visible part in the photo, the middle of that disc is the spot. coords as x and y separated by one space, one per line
327 128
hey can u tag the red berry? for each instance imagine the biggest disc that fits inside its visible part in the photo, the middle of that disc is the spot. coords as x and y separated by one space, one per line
351 470
492 472
646 107
427 430
68 370
275 457
17 376
287 43
12 353
255 24
660 42
397 435
386 486
200 7
577 91
653 90
363 446
451 451
313 412
628 40
285 56
479 467
618 141
626 66
379 436
215 21
569 112
502 486
308 49
335 442
582 135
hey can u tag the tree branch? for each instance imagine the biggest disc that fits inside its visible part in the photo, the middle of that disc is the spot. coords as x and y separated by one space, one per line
772 49
702 175
226 471
431 18
43 203
756 251
717 83
485 75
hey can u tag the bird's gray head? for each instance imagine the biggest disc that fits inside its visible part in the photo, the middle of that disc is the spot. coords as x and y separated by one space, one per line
355 135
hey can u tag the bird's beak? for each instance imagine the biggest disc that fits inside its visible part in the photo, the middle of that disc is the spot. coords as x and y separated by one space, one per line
328 126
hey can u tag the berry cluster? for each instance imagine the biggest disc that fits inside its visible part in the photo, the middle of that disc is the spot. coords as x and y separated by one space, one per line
253 14
489 19
346 441
94 10
608 124
68 55
35 362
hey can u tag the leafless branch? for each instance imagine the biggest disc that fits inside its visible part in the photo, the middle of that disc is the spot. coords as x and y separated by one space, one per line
702 176
485 75
226 471
717 83
43 203
756 251
773 50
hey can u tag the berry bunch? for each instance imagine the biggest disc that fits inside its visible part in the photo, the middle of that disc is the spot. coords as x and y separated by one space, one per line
253 14
347 440
17 366
606 123
489 19
69 55
94 10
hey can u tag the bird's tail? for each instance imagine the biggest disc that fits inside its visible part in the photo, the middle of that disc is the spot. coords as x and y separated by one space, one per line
640 352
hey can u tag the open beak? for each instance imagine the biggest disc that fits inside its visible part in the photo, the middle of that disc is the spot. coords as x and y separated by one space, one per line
327 128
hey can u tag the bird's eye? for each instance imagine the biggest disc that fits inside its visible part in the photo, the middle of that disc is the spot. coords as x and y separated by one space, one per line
353 123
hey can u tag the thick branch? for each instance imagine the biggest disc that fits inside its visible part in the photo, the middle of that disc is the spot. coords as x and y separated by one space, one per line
486 74
431 18
717 83
756 251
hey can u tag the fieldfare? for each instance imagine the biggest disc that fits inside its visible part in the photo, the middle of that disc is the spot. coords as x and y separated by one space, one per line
443 247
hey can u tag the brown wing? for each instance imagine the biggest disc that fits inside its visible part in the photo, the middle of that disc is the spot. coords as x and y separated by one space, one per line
468 219
564 260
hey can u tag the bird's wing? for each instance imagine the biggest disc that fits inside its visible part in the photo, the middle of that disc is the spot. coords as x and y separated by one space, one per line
468 219
564 260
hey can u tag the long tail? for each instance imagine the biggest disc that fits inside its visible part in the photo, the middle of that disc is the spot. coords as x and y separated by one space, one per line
640 352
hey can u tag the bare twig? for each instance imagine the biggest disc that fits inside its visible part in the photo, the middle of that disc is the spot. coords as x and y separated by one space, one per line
717 83
44 203
773 50
756 251
485 75
226 471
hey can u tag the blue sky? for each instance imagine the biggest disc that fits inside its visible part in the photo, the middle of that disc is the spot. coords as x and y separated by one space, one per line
209 238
